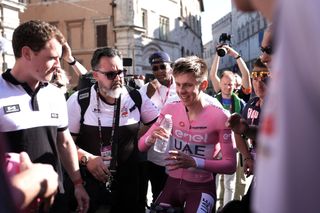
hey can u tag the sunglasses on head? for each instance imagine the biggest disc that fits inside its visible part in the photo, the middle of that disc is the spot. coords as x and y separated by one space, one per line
111 75
267 50
161 67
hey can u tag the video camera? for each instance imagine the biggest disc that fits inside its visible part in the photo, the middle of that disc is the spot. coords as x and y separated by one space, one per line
224 39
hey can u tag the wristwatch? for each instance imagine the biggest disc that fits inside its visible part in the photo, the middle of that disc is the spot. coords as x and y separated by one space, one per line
84 160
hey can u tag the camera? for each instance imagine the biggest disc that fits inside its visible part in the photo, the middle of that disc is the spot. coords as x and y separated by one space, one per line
224 39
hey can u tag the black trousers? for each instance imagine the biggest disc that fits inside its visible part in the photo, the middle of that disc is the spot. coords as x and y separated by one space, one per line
156 175
125 188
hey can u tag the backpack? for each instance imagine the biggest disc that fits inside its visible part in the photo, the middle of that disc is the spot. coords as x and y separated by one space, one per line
84 100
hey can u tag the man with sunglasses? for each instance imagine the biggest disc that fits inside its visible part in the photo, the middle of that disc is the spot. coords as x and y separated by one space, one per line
289 138
98 133
266 47
245 126
161 91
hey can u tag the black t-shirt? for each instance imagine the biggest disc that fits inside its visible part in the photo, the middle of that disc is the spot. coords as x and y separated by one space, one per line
31 120
252 111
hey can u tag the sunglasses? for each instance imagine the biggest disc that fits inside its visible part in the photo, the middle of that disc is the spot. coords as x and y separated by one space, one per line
111 75
267 50
161 67
260 74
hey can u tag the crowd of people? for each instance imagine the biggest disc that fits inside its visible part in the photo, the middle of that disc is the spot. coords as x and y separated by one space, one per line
94 149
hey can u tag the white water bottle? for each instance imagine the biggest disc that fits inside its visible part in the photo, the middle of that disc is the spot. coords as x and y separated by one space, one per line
161 145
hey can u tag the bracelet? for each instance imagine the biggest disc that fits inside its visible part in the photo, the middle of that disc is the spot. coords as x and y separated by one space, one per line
199 162
78 182
73 62
239 56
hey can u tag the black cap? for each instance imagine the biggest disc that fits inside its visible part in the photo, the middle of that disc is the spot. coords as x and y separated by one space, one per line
159 57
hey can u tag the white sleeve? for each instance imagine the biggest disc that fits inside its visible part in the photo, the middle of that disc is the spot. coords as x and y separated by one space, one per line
74 113
149 111
143 89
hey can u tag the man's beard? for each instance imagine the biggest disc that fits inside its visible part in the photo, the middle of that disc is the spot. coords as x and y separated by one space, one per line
114 93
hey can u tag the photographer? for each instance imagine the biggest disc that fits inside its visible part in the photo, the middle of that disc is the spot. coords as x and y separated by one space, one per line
233 185
222 49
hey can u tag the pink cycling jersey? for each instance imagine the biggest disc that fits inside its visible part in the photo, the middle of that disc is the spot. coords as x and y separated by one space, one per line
200 139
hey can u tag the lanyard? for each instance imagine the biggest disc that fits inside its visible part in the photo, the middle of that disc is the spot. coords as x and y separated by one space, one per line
99 120
114 147
163 101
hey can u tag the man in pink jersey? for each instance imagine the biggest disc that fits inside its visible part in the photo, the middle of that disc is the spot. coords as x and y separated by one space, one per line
198 134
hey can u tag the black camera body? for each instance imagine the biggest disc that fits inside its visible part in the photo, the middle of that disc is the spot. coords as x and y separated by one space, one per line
224 39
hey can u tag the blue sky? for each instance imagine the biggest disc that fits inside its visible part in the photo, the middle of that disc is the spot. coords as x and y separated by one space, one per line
213 11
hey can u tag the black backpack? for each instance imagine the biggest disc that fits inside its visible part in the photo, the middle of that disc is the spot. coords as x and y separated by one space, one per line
84 99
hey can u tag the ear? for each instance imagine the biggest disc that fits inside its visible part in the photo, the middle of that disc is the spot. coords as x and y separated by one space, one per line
95 75
204 85
26 53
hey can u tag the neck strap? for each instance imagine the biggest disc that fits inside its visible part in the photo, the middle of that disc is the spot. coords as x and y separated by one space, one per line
114 132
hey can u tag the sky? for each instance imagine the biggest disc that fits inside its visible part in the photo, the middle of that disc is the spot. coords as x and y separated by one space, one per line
213 11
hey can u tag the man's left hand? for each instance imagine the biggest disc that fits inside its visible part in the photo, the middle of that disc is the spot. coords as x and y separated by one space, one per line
82 199
179 159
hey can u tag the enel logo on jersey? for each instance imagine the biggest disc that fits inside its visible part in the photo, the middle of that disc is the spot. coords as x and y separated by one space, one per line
198 138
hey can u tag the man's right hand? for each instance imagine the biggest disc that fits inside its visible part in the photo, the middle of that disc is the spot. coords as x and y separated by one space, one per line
44 175
237 124
98 169
152 87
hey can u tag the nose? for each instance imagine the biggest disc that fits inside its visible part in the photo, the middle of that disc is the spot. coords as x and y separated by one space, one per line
180 89
57 63
118 77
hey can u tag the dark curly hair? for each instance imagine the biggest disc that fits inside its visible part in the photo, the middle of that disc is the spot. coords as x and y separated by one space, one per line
35 35
101 52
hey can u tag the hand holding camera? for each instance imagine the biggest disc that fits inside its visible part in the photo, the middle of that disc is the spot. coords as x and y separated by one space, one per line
224 47
224 41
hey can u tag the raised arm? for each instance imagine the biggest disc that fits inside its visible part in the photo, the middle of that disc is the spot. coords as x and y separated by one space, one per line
76 66
214 73
246 83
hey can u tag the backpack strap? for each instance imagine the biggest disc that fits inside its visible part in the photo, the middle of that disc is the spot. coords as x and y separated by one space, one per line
136 97
84 101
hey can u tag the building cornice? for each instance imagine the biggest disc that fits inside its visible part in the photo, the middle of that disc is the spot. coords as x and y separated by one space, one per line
13 4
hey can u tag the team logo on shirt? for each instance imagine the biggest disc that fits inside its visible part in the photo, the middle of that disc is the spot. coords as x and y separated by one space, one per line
54 115
124 112
11 108
226 136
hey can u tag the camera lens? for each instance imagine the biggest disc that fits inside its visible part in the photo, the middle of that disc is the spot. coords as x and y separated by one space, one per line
221 51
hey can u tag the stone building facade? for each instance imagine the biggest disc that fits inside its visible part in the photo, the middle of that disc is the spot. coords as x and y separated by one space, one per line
9 20
247 32
135 27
